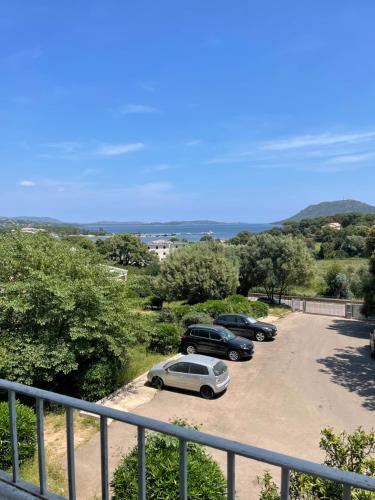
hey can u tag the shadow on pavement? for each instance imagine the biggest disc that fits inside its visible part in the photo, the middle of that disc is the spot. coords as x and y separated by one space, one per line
354 369
351 328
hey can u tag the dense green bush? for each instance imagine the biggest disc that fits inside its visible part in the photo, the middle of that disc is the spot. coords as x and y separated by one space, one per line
194 318
181 310
166 316
165 338
258 309
205 478
237 299
351 452
142 285
26 433
214 307
98 380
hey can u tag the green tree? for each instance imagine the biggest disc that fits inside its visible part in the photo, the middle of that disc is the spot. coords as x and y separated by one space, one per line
353 452
62 321
197 273
127 250
242 238
369 289
274 263
205 478
81 242
337 283
370 242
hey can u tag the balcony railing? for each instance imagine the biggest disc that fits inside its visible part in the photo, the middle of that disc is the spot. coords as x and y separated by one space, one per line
13 482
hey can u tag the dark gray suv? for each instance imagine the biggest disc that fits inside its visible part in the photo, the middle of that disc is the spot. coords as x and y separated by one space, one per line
215 341
247 327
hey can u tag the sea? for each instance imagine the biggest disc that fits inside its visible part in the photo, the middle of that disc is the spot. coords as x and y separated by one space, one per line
190 232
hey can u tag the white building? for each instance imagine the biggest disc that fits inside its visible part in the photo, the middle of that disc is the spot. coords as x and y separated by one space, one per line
164 247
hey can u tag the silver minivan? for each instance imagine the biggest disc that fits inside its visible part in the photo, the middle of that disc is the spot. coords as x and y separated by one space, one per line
193 372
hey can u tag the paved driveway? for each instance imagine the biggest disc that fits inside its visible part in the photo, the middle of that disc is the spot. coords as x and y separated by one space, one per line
317 373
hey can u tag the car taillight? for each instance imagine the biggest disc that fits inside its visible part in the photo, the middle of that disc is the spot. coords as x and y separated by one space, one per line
184 337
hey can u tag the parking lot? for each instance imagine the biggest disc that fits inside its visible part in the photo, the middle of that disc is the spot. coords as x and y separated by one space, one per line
317 373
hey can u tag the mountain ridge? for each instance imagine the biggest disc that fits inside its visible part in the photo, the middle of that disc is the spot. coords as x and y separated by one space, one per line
330 208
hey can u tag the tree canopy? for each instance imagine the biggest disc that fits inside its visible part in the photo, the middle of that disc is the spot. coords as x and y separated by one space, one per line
61 316
197 273
127 250
274 263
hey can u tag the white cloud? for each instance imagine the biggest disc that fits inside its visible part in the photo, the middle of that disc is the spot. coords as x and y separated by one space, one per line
28 183
132 109
350 158
327 139
118 149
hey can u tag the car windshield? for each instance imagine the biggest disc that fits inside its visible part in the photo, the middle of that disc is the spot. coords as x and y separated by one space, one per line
251 320
226 334
220 368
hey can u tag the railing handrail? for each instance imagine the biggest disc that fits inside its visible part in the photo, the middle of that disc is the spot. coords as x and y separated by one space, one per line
220 443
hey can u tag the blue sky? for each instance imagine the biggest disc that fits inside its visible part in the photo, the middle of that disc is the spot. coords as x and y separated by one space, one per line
234 111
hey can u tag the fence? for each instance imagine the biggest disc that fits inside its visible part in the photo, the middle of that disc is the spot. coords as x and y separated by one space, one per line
286 463
323 306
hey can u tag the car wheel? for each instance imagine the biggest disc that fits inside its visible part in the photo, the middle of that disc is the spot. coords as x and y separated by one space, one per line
207 392
233 355
260 336
191 349
158 383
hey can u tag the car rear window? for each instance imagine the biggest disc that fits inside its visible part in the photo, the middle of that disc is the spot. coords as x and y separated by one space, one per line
220 368
198 369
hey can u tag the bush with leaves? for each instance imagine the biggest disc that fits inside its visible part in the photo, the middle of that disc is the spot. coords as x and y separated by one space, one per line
353 452
205 478
214 307
194 318
165 338
26 434
143 285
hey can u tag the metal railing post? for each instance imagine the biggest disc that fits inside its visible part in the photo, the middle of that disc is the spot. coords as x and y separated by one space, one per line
13 435
141 464
285 473
231 475
104 457
41 450
346 493
183 470
70 453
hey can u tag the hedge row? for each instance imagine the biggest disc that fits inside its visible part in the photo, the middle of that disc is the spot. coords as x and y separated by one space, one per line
213 308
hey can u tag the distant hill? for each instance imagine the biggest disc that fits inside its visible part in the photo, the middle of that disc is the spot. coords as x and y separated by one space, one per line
332 208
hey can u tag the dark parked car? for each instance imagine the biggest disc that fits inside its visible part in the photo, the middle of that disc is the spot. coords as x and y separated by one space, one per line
215 340
247 327
268 300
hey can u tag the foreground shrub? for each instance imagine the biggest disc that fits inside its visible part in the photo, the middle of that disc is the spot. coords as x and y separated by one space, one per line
353 452
194 318
26 433
141 285
205 479
165 338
